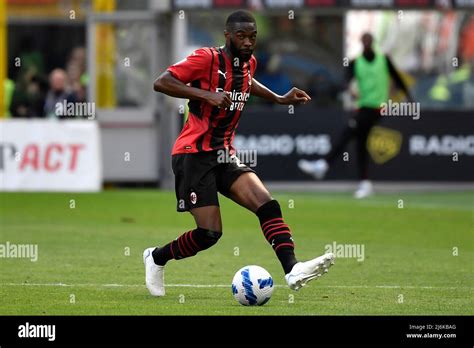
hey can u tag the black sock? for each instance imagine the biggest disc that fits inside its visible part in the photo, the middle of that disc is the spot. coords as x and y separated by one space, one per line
186 245
277 233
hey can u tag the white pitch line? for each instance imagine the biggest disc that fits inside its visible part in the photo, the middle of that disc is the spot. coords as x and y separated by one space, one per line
228 286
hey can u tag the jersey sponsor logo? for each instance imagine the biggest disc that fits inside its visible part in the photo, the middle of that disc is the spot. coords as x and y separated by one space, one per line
234 95
384 144
238 98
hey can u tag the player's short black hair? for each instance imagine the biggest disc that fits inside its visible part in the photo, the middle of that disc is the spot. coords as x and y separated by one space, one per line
240 16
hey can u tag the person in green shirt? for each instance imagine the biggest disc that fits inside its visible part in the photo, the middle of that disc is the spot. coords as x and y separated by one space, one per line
9 87
372 71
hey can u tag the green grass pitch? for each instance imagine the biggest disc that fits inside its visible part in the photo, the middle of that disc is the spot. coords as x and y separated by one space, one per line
418 259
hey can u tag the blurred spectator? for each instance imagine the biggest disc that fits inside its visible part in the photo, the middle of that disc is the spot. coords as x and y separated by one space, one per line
9 87
57 93
74 82
28 96
76 72
454 87
31 60
78 57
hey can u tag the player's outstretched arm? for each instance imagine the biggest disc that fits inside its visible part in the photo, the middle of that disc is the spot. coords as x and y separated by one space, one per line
166 83
293 96
397 78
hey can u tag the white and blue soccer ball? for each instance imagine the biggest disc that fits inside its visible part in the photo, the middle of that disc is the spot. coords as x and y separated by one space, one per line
252 286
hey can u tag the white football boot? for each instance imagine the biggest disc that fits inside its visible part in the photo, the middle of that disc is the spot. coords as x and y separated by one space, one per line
365 190
303 272
317 168
154 274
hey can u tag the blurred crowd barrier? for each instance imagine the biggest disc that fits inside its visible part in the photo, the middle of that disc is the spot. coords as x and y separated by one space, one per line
47 59
97 60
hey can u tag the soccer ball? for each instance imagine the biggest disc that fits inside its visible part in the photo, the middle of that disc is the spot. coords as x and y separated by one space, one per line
252 286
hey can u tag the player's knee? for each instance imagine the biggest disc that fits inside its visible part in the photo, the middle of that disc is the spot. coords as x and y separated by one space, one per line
213 237
269 204
207 238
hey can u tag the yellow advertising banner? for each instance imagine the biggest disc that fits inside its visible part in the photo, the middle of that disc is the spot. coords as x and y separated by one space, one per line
105 57
3 58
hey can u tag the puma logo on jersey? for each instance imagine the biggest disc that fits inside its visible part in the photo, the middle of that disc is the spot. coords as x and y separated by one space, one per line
222 73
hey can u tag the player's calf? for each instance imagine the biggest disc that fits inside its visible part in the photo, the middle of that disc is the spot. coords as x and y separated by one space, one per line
186 245
277 233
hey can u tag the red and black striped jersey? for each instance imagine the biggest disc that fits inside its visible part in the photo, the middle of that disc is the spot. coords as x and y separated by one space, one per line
209 127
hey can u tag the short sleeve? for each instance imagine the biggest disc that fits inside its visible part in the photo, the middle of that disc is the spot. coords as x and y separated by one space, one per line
193 67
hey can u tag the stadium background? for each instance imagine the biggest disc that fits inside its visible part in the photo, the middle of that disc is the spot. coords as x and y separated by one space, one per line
418 245
113 50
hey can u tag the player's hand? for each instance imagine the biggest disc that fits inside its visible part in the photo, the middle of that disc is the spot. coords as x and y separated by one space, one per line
295 96
219 99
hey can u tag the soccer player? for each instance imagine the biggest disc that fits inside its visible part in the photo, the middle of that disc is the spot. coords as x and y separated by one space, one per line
218 82
372 72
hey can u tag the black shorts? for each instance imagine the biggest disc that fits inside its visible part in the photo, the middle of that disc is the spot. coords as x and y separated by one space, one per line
366 118
199 176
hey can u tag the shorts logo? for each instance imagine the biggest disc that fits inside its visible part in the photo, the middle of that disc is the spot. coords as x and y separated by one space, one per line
193 197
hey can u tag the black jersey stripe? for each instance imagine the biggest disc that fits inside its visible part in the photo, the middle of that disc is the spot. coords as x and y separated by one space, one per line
195 106
218 134
211 69
234 125
221 84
